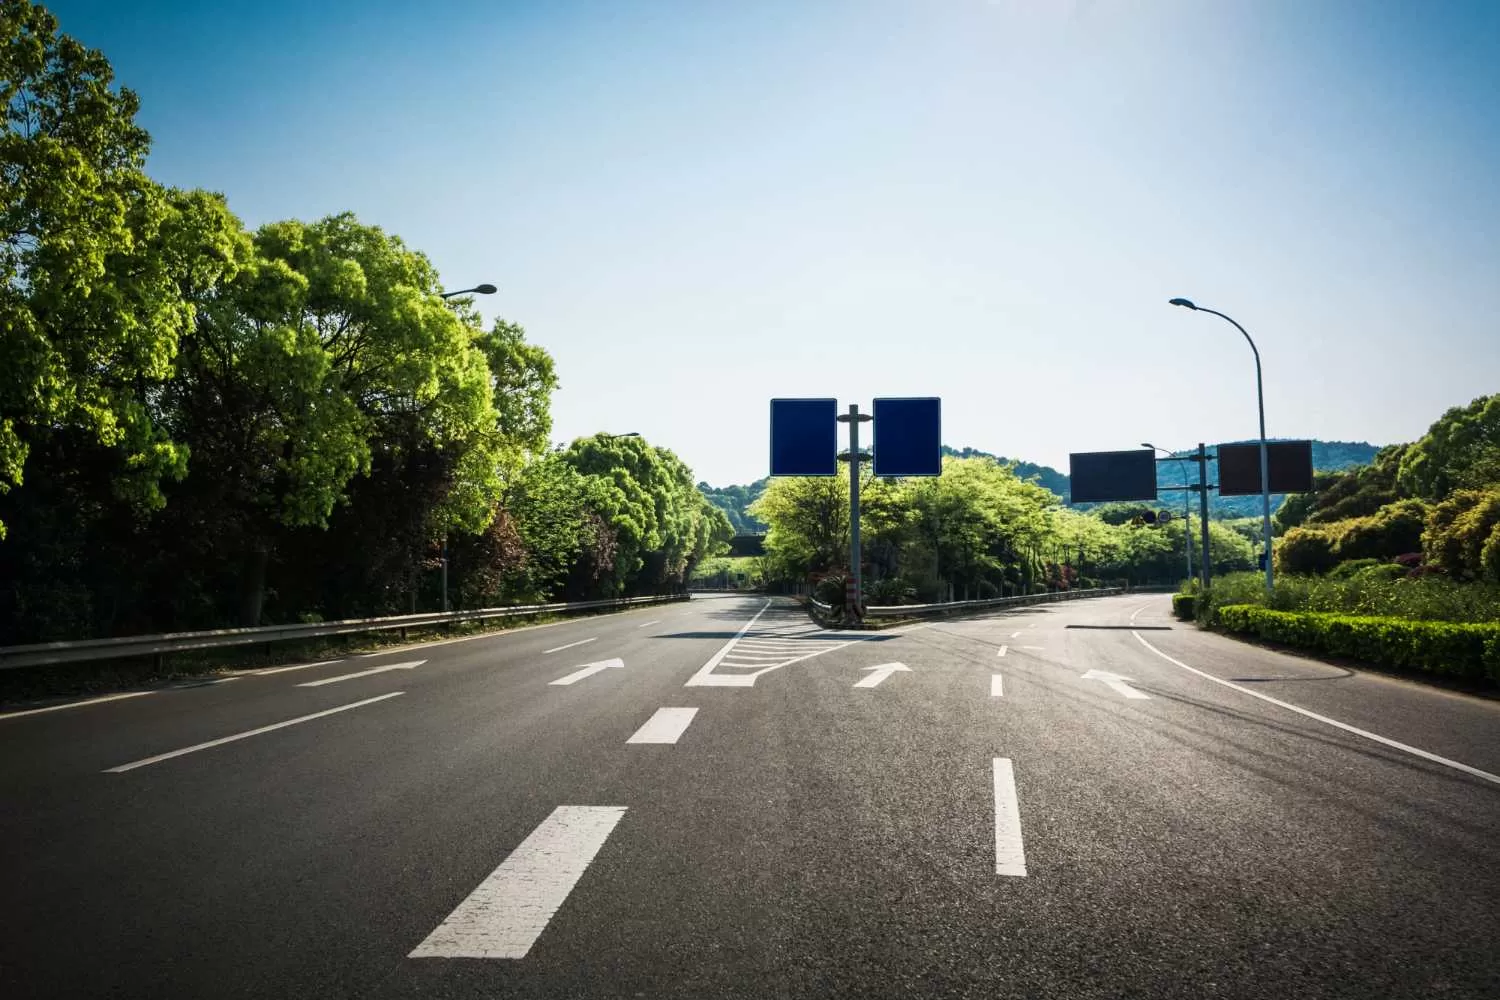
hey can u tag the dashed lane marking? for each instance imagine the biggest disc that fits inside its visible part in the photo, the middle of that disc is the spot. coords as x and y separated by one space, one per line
666 726
1010 852
507 912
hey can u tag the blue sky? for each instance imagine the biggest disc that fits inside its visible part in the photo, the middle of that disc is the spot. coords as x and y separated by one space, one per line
697 206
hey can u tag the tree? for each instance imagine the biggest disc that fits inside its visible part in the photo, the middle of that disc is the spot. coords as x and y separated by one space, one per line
1460 451
99 263
329 351
1463 535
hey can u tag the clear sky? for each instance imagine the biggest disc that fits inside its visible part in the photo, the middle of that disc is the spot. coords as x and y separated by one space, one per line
697 206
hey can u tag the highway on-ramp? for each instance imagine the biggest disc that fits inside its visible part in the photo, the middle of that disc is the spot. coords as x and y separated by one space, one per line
720 799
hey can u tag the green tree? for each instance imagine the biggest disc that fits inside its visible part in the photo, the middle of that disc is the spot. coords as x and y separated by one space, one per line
98 262
1460 451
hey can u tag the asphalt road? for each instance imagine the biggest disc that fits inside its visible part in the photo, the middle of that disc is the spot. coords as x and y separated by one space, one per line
723 805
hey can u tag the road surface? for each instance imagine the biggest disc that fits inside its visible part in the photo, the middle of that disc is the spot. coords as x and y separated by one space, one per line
718 799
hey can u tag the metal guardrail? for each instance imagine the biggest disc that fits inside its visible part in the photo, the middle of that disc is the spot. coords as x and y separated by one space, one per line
917 610
83 650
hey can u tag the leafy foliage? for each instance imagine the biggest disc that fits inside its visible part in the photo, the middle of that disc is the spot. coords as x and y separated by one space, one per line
1463 535
1373 590
1470 651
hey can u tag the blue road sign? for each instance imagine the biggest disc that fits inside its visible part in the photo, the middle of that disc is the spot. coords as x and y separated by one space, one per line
804 437
1096 476
909 437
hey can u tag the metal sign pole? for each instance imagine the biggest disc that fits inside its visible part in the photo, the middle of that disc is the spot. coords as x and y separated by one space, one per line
854 603
1206 556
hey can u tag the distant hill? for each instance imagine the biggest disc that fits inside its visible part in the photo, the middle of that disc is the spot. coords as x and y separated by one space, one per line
733 500
1328 456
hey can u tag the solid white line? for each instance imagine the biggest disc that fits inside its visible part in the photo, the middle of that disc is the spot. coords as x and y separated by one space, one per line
1138 610
1042 648
363 673
1002 650
76 704
507 912
559 649
997 686
701 677
300 666
1010 854
1325 719
240 736
666 726
655 622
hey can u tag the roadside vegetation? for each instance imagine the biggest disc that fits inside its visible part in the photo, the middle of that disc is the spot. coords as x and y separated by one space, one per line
203 424
1396 563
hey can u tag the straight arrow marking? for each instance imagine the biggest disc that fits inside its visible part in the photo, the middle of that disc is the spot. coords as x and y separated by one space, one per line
588 671
412 665
880 673
1116 682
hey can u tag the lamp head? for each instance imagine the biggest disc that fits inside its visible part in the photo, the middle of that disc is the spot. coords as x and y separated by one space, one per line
1186 303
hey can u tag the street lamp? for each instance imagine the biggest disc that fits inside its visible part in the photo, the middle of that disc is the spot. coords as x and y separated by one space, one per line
485 289
1260 402
1187 533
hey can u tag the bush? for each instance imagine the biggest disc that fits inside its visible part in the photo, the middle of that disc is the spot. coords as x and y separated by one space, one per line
1385 534
1306 550
1185 606
1375 590
1466 650
1463 535
1345 570
891 590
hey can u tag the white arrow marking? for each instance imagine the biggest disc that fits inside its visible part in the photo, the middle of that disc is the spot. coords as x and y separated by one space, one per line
1002 650
880 673
363 673
1117 682
589 671
1015 635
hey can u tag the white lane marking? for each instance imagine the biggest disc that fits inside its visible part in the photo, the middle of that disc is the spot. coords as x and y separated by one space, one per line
1415 751
1010 853
507 912
666 726
588 671
559 649
1138 610
655 621
1002 650
702 678
409 665
1043 648
1116 683
880 673
997 686
1015 635
76 704
248 733
300 666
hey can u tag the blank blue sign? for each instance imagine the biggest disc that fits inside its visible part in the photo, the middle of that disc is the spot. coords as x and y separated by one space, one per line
909 437
1096 476
804 437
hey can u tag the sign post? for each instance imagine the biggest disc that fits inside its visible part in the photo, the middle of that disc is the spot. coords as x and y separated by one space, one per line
854 605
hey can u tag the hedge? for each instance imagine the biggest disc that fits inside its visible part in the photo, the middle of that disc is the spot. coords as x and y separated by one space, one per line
1451 649
1185 606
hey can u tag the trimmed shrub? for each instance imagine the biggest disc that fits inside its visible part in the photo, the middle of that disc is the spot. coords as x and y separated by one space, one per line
1450 649
1306 551
1185 606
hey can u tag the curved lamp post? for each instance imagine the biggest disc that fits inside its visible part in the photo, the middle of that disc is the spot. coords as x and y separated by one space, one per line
1187 497
485 289
1260 402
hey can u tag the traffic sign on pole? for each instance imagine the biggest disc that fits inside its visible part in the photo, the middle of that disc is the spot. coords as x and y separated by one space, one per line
804 437
1096 476
909 437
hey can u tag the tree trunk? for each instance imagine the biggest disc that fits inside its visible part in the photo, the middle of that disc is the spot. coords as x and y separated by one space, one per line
253 585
